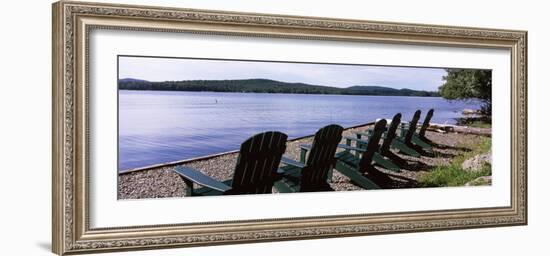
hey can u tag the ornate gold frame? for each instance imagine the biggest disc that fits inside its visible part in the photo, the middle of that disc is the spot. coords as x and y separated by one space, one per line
73 20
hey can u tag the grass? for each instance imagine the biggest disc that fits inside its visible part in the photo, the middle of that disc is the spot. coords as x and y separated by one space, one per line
480 124
477 122
453 174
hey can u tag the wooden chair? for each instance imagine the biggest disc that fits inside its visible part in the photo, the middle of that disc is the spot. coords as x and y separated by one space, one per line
316 162
390 134
404 143
355 167
384 150
420 137
255 171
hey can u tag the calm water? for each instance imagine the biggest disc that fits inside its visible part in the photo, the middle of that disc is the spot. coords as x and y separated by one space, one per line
157 127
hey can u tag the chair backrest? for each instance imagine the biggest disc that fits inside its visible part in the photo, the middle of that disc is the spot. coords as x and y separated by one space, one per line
390 134
426 122
258 162
412 127
372 145
321 157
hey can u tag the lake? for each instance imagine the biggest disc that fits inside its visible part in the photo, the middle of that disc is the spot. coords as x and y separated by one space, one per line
164 126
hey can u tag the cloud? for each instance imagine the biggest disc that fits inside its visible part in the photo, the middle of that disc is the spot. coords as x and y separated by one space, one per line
172 69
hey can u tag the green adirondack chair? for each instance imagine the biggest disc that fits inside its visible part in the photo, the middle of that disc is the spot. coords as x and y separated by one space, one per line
404 143
255 171
315 166
390 135
384 150
355 167
419 138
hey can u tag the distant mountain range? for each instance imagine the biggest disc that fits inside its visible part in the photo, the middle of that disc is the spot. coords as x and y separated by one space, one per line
264 86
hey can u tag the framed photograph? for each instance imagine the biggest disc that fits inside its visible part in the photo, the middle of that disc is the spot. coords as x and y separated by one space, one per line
179 127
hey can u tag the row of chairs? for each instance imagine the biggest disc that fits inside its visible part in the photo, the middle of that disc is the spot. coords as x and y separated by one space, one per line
261 164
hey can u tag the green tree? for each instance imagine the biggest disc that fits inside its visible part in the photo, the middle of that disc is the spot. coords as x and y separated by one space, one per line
466 84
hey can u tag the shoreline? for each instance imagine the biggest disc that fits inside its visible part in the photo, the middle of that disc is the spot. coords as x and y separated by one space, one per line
161 181
282 93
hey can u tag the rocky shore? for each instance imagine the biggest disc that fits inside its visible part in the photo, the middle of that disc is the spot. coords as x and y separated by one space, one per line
161 182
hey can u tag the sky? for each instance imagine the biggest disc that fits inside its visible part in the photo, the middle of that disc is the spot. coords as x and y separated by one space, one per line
176 69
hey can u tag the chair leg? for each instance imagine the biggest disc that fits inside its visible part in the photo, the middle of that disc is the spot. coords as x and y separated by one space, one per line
189 188
329 176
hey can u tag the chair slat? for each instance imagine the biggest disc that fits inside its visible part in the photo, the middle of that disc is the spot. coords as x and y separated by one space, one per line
372 145
412 127
391 133
426 122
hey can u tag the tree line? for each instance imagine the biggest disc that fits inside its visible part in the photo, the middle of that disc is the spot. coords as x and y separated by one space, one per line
265 86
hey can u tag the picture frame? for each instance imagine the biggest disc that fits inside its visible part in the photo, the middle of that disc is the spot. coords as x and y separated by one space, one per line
73 204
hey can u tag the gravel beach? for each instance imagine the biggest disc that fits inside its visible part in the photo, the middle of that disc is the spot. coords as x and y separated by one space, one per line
163 182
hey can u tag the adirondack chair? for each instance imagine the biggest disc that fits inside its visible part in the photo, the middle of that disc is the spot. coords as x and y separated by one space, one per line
384 150
355 167
312 172
255 171
390 135
404 143
419 138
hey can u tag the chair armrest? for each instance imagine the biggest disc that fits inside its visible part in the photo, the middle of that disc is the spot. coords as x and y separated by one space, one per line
305 147
368 133
351 148
286 160
197 177
358 142
303 152
280 171
364 141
